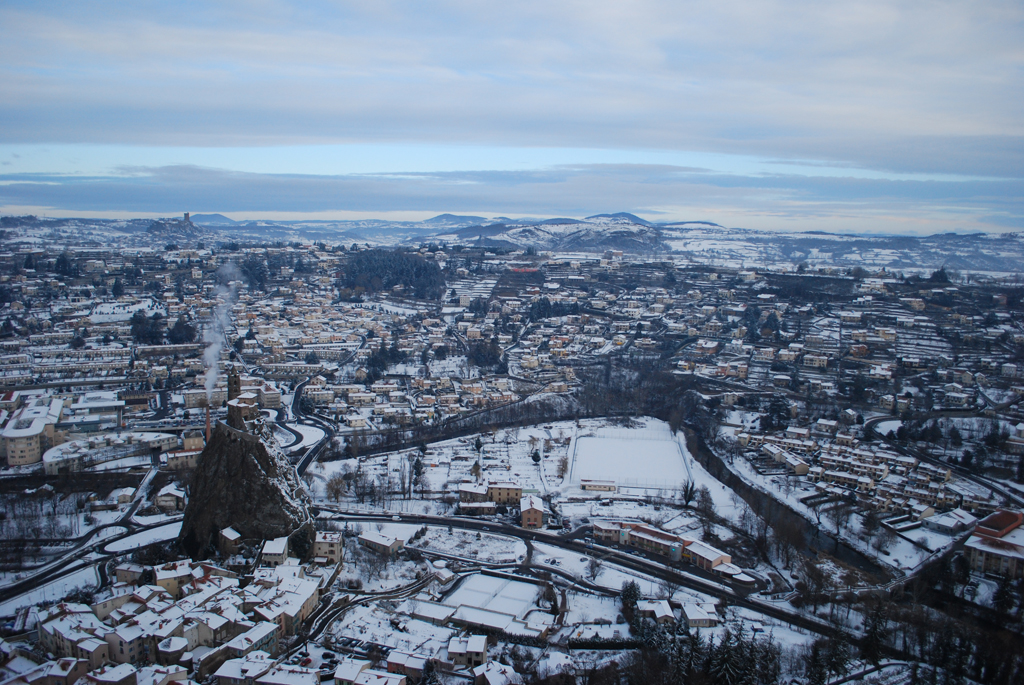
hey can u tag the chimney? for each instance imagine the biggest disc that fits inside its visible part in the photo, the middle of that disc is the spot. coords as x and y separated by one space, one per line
207 423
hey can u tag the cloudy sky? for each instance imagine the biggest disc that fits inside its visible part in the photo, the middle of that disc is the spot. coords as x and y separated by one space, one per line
791 115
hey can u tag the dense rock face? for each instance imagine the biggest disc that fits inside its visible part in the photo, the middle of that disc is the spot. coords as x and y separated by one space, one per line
177 229
240 482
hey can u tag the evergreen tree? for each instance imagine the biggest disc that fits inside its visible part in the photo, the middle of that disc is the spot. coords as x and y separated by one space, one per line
723 664
1002 599
876 630
181 332
769 660
696 655
678 658
815 667
743 657
430 675
838 655
629 596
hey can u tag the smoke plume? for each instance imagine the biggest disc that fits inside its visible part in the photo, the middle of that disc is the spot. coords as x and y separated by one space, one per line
215 333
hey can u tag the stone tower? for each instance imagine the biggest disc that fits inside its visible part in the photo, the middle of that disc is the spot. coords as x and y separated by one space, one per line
234 383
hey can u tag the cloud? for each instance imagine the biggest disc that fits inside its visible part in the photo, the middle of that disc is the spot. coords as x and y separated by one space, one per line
922 87
662 191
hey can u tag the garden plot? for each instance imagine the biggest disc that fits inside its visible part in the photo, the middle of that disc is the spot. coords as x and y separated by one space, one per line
51 516
401 531
584 608
483 547
375 572
904 554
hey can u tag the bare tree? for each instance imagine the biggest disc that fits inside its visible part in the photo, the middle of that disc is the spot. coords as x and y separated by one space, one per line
884 539
335 486
839 516
706 509
668 588
687 492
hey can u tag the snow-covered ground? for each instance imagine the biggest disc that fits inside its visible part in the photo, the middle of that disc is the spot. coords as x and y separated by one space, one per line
645 460
146 537
628 458
482 547
883 427
310 434
52 591
148 520
373 623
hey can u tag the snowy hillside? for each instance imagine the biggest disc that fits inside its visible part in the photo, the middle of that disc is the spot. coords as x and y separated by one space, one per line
700 241
597 233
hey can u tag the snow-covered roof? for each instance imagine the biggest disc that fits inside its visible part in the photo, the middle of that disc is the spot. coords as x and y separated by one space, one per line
276 547
252 665
349 667
23 428
252 636
694 611
495 673
531 502
472 644
378 538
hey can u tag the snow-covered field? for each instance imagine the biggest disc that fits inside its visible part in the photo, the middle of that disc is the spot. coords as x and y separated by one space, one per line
484 547
644 460
635 461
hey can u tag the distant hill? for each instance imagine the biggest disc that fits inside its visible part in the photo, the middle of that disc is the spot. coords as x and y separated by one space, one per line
624 217
213 220
598 233
454 219
556 222
691 223
701 241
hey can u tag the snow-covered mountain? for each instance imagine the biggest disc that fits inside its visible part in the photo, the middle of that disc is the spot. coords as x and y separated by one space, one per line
596 233
700 241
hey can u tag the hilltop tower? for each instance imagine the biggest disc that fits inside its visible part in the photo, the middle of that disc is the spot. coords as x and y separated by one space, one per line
234 383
